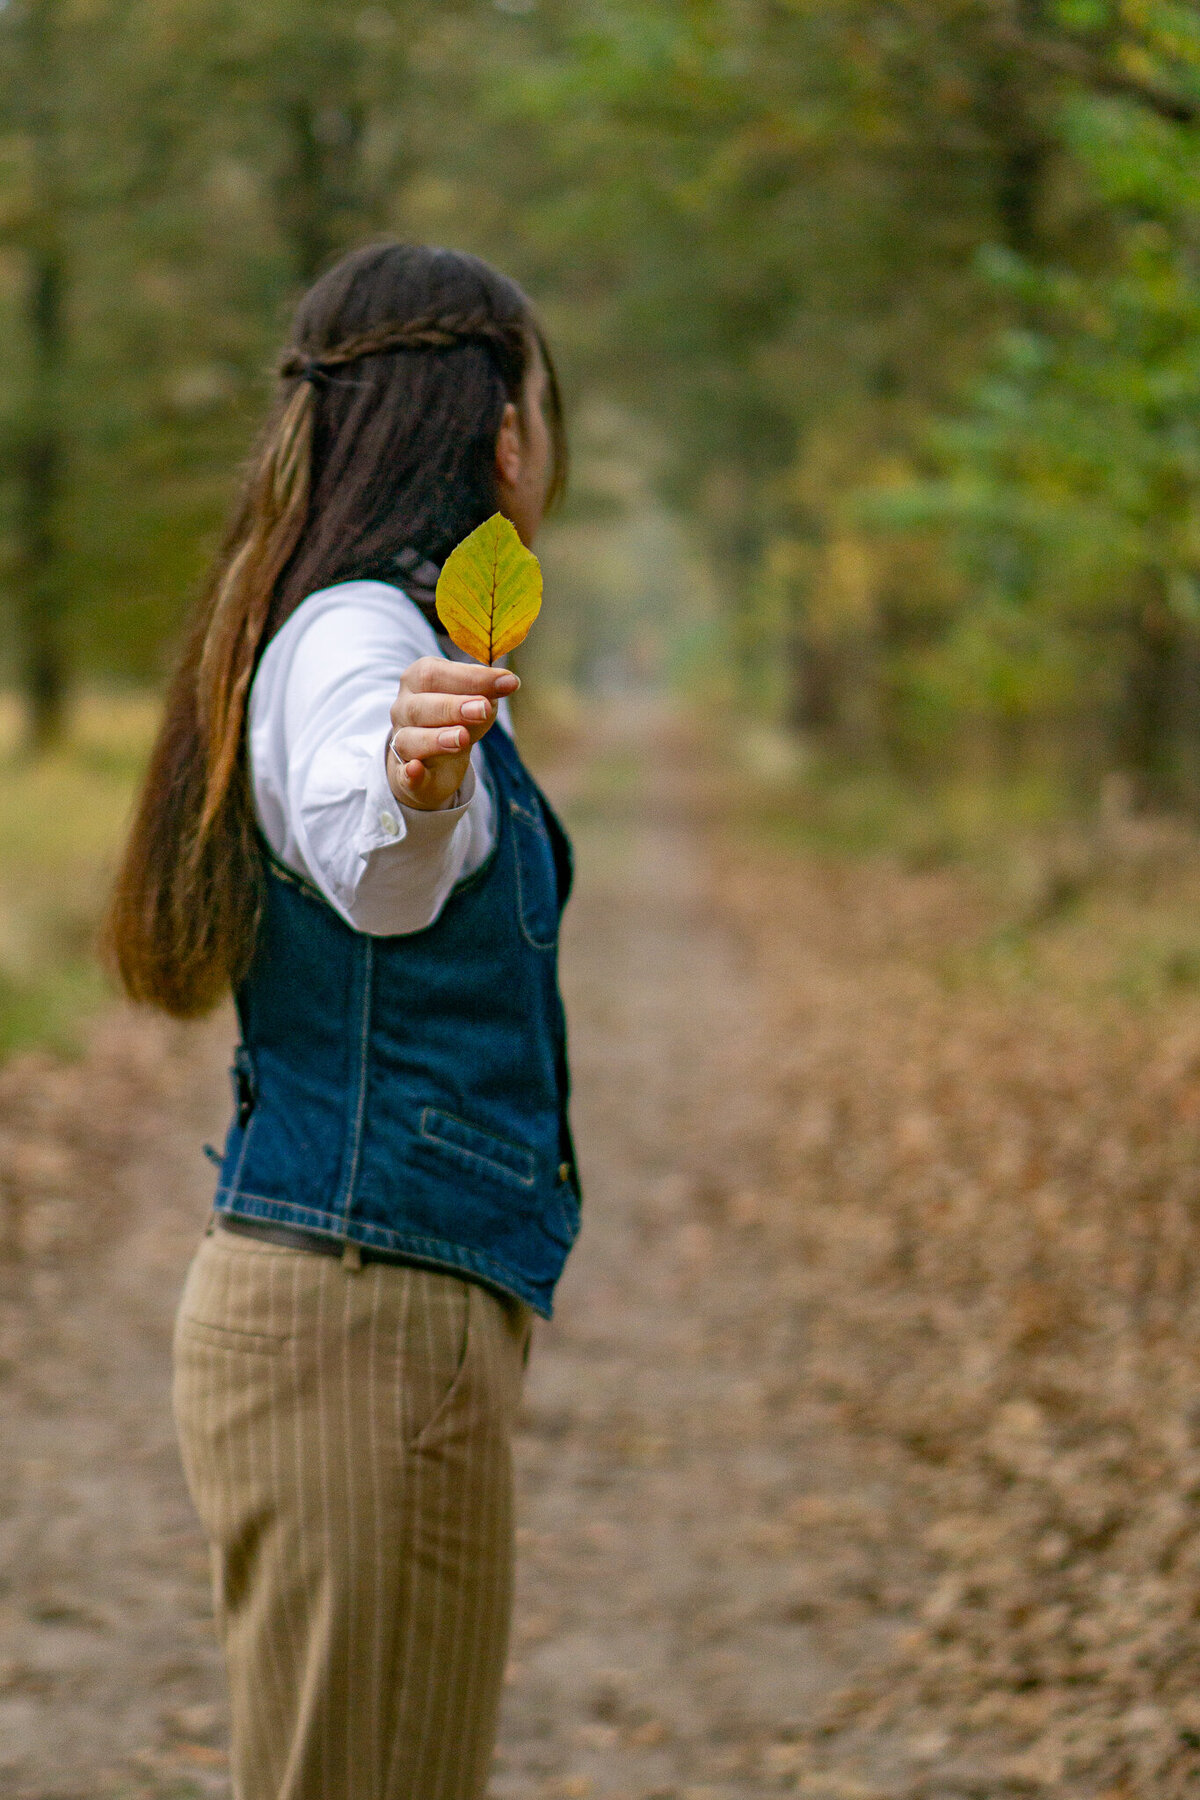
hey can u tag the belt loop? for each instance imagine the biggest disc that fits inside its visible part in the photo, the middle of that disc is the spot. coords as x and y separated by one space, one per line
351 1255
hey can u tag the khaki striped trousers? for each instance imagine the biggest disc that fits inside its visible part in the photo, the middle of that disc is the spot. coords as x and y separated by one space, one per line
346 1436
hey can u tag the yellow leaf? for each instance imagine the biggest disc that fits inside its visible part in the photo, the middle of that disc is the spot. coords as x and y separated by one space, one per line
490 590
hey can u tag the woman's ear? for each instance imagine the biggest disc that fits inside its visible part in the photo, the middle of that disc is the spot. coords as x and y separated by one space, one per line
509 447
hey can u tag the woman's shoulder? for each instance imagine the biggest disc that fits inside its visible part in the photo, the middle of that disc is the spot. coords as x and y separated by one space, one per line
346 625
362 608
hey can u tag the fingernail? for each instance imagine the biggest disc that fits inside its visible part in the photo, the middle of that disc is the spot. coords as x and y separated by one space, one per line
474 709
507 683
450 740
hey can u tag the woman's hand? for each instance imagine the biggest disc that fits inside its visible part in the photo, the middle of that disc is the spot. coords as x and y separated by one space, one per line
442 708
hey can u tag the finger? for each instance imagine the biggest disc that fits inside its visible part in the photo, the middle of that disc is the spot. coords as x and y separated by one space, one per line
429 778
431 710
412 742
438 675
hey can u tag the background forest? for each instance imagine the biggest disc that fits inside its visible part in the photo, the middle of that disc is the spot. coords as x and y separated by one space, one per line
879 318
862 1460
880 324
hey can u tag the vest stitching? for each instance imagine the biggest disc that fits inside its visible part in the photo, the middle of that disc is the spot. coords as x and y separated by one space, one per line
539 827
368 970
247 1128
446 1255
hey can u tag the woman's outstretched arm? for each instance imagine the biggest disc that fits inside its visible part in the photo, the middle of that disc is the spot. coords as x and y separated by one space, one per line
321 721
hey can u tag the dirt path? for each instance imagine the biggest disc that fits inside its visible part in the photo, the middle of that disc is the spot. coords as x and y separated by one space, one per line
655 1651
665 1642
792 1518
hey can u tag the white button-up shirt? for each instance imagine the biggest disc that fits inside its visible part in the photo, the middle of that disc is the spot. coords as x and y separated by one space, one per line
318 730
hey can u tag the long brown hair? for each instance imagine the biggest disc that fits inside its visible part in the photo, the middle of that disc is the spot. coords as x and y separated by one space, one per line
381 440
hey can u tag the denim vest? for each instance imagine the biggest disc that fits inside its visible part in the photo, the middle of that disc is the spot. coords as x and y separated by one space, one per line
410 1093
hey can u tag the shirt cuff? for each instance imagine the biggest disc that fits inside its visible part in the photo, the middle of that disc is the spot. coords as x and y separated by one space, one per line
387 822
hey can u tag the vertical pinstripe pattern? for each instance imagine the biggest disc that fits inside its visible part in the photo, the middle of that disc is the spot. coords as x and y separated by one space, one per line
346 1436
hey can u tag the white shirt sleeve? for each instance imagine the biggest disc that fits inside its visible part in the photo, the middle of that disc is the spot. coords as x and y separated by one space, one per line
318 728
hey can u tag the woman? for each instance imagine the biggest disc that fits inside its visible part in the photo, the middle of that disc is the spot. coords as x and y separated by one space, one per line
337 826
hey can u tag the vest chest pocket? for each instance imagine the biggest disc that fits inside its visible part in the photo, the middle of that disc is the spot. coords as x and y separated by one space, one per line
537 882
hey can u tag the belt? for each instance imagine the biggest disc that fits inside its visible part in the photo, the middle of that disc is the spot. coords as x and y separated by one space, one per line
294 1237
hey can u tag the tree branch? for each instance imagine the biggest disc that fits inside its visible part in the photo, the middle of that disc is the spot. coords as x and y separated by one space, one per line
1081 64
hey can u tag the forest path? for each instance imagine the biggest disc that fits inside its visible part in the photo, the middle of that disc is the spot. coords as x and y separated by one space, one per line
675 1478
770 1376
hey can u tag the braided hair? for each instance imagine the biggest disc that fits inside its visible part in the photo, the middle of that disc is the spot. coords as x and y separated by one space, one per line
380 447
433 332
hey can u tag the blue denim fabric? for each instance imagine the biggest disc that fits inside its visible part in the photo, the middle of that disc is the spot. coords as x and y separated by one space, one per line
410 1093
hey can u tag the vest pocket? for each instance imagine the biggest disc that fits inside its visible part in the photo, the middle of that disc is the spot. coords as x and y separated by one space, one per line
537 880
511 1161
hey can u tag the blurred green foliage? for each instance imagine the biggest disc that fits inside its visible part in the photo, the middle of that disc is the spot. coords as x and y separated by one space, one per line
60 817
879 319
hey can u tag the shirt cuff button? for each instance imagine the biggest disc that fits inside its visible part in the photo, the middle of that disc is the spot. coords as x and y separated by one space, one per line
564 1171
389 824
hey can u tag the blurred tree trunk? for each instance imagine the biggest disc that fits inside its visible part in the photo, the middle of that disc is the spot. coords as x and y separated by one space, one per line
1022 164
44 670
1148 721
1012 104
321 193
1186 722
727 512
336 89
1158 724
39 461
